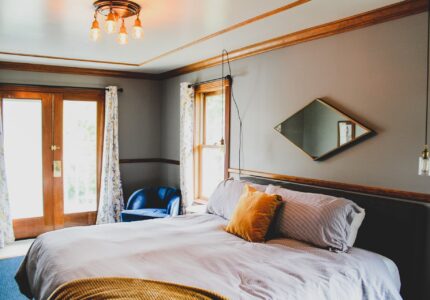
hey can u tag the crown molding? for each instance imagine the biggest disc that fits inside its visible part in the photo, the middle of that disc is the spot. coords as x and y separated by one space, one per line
380 15
74 70
228 29
125 64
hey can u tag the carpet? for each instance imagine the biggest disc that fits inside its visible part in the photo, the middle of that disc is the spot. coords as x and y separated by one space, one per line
8 287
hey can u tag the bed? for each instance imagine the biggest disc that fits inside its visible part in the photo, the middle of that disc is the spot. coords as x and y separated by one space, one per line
194 250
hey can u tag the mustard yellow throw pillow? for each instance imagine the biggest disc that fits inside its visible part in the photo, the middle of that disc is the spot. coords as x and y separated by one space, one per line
253 214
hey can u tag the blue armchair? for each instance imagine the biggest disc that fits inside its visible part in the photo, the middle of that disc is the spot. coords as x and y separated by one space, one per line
152 203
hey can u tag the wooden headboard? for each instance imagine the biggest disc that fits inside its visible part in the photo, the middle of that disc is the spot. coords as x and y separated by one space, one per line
395 228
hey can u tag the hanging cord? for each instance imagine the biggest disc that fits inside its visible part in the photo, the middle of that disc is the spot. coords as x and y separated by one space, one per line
225 52
223 99
427 90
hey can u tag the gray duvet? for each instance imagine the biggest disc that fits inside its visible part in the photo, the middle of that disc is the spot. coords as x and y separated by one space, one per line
194 250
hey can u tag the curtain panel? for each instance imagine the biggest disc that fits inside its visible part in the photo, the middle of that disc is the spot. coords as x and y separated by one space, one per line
6 228
111 201
186 144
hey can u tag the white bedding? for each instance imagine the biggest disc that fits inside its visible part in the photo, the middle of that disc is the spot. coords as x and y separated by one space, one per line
194 250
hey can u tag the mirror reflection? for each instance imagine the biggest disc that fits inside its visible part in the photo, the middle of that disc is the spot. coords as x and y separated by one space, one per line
319 129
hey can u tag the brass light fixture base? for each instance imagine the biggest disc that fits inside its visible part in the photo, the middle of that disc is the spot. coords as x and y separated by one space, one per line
120 8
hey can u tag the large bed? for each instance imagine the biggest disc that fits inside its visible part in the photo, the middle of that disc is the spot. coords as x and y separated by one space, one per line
194 250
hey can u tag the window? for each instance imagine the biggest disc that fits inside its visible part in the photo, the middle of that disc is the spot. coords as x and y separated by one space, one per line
211 141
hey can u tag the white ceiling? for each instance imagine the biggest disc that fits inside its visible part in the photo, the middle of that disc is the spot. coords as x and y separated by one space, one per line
60 28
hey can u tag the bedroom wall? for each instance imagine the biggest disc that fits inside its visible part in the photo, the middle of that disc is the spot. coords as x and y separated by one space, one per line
375 74
139 122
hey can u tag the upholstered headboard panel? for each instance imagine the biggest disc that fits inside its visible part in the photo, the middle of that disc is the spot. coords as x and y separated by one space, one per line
395 228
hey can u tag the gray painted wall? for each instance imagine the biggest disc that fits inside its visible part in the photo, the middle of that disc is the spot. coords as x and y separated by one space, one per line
375 74
139 119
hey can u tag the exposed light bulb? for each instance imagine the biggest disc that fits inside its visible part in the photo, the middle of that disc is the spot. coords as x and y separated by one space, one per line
122 35
95 31
110 24
424 163
137 31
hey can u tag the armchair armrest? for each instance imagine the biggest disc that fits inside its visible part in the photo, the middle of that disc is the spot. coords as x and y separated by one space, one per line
138 200
174 206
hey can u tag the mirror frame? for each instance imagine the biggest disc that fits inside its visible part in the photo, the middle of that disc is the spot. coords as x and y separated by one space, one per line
370 132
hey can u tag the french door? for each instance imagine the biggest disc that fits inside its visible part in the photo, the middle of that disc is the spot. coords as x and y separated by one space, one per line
53 148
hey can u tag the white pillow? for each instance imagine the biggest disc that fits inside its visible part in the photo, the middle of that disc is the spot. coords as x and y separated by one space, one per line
322 220
224 199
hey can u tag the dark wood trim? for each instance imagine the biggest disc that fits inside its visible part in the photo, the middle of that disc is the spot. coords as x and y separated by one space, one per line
212 86
420 197
80 219
74 70
380 15
53 89
95 61
148 160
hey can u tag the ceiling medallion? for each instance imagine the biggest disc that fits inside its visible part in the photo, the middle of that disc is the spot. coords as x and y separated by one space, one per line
114 12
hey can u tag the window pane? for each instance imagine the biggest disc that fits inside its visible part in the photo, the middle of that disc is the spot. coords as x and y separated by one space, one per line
214 121
212 169
22 124
80 156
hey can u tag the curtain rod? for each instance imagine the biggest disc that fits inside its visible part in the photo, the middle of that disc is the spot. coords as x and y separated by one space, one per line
58 86
228 77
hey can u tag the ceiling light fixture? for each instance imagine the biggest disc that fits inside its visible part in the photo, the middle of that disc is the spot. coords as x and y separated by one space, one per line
115 11
95 29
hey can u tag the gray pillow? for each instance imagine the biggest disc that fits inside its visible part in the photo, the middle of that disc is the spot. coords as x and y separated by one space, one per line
322 220
224 199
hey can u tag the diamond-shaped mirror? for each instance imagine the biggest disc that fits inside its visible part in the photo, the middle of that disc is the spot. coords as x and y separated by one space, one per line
321 130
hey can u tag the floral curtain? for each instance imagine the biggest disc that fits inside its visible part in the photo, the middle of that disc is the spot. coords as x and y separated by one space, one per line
186 141
6 228
111 200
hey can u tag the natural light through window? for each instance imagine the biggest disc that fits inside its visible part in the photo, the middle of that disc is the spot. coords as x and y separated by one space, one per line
80 156
22 125
210 159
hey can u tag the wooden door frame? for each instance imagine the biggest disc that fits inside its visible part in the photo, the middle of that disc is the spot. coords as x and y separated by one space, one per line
52 98
28 227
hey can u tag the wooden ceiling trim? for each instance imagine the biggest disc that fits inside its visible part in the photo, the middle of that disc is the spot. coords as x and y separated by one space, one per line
380 15
228 29
76 71
233 27
70 59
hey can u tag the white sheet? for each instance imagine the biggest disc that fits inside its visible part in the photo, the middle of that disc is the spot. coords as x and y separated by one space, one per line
194 250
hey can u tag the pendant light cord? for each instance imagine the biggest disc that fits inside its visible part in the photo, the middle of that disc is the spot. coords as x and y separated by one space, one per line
428 61
223 97
225 52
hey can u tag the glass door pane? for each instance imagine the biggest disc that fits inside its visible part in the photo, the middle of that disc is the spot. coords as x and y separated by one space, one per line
79 156
22 124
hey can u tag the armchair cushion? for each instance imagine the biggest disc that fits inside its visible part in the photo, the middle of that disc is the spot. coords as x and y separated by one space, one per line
143 214
150 203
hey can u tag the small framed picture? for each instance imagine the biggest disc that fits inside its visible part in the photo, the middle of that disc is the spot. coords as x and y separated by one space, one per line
345 132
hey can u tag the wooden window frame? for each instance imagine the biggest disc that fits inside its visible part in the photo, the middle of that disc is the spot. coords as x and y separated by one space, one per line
201 91
52 101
